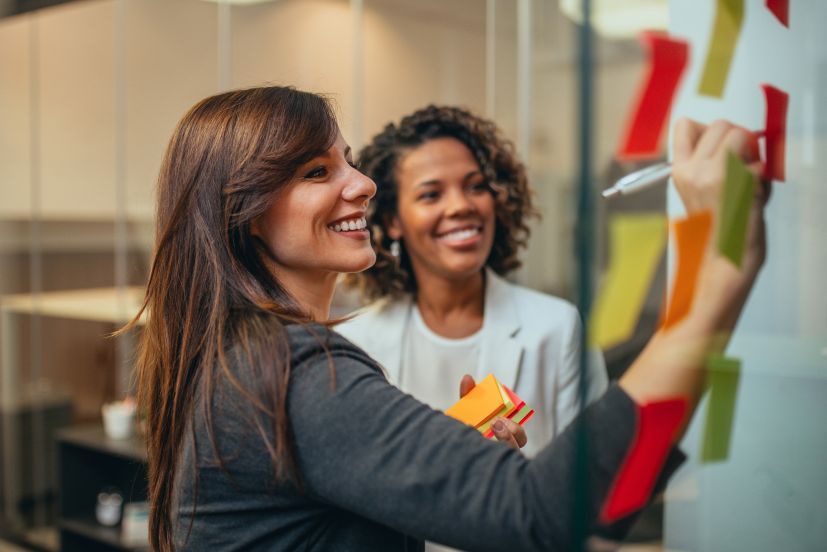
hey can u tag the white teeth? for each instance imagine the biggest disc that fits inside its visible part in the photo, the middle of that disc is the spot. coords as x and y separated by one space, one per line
459 235
349 225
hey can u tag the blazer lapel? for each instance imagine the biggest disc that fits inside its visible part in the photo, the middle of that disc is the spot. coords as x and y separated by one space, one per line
386 345
500 352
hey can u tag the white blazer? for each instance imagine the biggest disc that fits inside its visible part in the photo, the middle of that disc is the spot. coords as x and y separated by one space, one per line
530 342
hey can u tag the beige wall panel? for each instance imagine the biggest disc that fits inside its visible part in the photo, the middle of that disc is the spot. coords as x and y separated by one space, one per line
420 53
170 63
15 183
77 110
302 43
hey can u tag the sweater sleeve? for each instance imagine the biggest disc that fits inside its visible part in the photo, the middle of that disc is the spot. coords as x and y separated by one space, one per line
366 447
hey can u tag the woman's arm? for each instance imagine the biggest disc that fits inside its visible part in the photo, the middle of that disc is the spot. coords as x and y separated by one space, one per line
672 364
366 447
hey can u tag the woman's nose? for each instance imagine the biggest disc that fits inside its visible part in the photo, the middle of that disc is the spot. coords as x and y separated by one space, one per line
358 187
458 204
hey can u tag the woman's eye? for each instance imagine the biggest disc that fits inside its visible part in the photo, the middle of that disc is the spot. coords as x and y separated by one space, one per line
318 172
480 186
427 196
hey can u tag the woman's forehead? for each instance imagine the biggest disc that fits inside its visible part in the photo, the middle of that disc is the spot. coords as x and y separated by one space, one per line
436 158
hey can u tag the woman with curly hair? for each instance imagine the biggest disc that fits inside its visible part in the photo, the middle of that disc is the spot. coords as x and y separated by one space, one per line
449 218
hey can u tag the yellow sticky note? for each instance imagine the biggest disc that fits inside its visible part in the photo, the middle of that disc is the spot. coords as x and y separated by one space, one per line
729 15
508 406
637 243
480 404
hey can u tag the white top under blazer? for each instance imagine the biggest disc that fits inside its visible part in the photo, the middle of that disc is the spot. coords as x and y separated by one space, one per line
529 340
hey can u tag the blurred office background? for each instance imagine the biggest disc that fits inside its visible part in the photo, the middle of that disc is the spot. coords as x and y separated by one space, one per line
90 91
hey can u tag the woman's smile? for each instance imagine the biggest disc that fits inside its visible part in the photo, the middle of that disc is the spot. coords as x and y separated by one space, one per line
354 227
461 238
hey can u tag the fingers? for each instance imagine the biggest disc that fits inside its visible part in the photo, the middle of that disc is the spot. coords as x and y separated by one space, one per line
465 385
509 432
742 143
710 141
687 133
715 140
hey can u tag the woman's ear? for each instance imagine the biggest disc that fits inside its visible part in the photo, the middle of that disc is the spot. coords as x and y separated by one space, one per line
255 227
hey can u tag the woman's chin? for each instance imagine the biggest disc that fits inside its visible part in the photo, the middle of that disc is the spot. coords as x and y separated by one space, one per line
358 262
464 269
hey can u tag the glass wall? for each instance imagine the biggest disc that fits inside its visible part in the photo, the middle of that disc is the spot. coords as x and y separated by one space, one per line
90 91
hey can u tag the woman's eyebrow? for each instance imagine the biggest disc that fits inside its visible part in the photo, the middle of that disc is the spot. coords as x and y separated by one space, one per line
472 174
430 182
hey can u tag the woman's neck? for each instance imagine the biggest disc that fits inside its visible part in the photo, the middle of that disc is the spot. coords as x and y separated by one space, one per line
312 291
451 307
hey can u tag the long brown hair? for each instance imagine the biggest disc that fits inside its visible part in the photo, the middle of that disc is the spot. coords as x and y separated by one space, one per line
209 289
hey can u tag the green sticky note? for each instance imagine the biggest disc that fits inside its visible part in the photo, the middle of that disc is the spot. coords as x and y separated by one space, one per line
736 202
729 16
722 381
637 243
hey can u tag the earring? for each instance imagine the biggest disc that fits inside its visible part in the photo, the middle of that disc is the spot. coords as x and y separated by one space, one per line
395 249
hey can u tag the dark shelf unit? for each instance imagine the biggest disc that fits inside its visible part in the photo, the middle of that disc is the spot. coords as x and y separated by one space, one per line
88 461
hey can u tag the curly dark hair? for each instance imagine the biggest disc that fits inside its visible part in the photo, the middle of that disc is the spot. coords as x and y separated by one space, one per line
498 162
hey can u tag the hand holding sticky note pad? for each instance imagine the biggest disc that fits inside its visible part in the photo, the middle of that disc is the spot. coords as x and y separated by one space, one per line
487 401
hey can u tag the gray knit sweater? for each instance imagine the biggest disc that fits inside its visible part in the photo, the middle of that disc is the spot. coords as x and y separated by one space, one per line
381 471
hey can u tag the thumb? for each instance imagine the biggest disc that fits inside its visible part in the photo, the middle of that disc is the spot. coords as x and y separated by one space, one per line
465 385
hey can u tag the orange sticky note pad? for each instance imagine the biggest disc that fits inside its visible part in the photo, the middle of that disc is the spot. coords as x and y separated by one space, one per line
480 405
518 411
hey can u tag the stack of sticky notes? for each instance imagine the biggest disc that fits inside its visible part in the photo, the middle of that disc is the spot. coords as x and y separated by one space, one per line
488 401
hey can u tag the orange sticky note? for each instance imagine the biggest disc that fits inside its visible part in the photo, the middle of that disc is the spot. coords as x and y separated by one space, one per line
691 237
480 404
507 408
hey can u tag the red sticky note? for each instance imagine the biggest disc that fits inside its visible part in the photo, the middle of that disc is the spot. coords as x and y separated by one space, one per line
518 402
775 131
691 236
781 10
520 413
658 423
667 60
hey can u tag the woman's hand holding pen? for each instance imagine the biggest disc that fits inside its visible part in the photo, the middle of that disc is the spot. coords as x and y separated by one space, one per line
505 430
672 364
699 172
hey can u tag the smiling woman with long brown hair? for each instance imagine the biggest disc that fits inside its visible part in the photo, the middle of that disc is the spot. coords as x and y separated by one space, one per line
267 430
